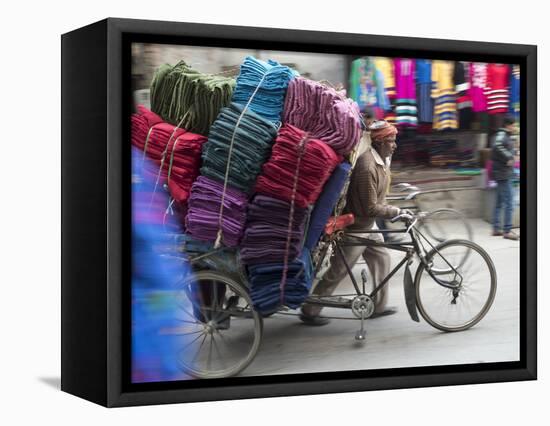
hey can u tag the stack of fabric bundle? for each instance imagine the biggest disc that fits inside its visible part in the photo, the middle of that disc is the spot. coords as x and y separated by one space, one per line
249 144
206 216
326 203
176 154
265 283
268 229
278 174
323 112
187 98
266 83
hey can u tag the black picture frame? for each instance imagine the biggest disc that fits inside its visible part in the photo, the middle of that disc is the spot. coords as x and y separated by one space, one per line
95 209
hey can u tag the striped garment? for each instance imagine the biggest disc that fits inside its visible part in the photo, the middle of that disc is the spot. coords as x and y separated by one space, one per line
443 92
405 87
445 114
497 90
423 90
514 92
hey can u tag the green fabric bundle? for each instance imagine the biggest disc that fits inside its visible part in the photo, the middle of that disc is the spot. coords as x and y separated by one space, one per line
180 92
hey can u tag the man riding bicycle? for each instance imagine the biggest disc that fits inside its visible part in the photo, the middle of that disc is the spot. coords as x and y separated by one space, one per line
366 199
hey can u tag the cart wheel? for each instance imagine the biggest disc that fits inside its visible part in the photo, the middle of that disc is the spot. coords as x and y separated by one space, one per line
221 331
454 293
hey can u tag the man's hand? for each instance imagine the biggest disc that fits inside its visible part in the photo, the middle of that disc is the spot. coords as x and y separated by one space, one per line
510 162
406 215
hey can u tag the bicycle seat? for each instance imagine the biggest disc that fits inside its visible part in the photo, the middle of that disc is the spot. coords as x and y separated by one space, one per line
338 223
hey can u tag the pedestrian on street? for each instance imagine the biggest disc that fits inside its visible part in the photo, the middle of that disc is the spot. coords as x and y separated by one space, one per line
366 199
503 156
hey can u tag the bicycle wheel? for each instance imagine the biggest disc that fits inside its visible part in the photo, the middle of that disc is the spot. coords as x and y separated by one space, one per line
221 331
472 282
447 224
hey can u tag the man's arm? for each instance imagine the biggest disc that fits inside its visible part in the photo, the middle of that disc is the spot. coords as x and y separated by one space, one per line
501 152
369 200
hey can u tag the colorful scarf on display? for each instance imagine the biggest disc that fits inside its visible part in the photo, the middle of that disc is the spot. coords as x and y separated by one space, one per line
324 113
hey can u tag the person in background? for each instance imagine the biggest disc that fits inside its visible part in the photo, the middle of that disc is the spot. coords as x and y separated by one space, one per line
366 199
503 156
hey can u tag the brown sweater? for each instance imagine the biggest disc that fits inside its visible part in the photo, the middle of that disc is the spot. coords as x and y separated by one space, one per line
366 197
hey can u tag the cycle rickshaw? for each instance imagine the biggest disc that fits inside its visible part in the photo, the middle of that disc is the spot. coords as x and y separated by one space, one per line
453 288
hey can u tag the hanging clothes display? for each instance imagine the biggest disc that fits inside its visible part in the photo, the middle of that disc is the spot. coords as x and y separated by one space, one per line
278 173
497 88
514 92
250 146
324 113
185 97
267 230
266 83
367 87
386 67
478 84
462 88
405 93
424 90
443 92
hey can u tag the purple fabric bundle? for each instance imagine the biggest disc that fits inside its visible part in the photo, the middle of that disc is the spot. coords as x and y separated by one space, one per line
267 230
202 220
323 112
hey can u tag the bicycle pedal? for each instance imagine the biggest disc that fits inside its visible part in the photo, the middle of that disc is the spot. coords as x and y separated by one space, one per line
360 335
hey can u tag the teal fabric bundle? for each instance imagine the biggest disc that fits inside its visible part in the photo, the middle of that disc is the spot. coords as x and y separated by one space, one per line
252 144
181 92
272 79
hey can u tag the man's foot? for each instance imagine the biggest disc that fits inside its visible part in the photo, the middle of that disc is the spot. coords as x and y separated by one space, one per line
314 320
511 236
497 233
384 313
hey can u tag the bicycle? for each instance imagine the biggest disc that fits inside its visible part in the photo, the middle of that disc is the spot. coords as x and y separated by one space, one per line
439 222
223 330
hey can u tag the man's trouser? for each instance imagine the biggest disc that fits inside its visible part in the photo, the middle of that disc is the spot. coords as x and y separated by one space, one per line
504 200
378 261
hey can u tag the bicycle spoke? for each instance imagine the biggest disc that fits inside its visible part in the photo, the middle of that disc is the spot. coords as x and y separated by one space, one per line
219 354
209 359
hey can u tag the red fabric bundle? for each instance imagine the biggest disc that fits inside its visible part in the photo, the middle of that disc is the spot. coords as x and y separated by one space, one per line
278 173
176 153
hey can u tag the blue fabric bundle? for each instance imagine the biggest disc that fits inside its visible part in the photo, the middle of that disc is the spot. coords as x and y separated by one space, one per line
325 204
265 280
269 99
251 147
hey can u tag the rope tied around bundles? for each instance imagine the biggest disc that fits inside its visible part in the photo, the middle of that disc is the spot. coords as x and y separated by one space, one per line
219 236
163 157
300 151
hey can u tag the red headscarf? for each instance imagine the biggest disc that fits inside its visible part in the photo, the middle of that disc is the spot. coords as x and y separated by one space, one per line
381 129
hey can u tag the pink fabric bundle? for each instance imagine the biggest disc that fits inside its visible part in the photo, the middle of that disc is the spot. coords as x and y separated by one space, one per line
176 153
323 112
278 174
